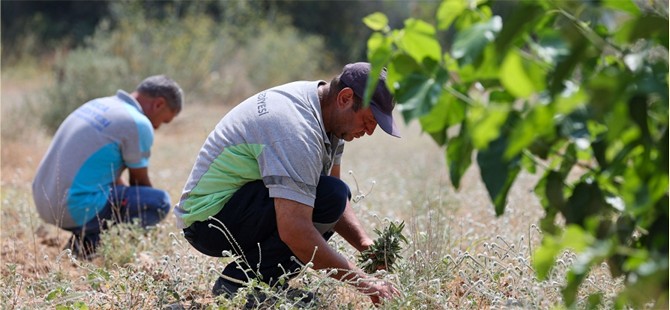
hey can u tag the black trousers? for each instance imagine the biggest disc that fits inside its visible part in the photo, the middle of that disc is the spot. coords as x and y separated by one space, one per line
247 227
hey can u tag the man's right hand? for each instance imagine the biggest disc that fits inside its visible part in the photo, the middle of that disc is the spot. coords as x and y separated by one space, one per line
294 222
379 290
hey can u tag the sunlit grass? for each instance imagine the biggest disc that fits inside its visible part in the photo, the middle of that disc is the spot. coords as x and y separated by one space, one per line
152 269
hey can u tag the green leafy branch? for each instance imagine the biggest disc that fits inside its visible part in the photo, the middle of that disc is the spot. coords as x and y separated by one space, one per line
578 89
384 252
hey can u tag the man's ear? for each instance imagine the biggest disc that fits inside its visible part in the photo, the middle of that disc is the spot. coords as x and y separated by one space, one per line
159 103
345 98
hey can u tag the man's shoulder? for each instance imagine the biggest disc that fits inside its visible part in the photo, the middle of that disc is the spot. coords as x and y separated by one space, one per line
119 113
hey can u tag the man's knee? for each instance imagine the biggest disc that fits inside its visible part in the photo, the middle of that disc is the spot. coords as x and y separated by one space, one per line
163 204
331 199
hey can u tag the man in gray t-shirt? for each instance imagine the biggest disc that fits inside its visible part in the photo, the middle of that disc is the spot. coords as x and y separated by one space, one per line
265 185
78 185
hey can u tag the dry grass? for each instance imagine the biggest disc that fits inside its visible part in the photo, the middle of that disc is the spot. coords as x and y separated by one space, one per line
460 255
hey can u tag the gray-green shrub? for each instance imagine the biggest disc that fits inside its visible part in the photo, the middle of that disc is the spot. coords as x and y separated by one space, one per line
284 54
212 61
82 75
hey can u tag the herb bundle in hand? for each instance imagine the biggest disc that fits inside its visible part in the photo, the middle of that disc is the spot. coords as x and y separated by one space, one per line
384 251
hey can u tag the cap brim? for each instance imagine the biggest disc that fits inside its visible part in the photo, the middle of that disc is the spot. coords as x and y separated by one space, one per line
385 121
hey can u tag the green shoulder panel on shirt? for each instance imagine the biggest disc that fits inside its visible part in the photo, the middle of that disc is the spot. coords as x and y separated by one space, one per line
234 167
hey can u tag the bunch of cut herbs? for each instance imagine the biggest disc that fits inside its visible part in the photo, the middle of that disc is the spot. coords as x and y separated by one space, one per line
385 250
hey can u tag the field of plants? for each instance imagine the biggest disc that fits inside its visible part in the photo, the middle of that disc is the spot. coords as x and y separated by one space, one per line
532 172
459 255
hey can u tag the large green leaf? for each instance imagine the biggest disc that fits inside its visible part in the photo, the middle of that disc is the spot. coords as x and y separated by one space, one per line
486 123
554 190
567 160
651 26
455 110
401 65
497 173
515 76
417 95
469 43
418 40
538 123
550 190
618 125
379 53
447 112
459 156
436 119
487 67
376 21
637 107
448 11
622 5
586 200
522 18
663 158
544 257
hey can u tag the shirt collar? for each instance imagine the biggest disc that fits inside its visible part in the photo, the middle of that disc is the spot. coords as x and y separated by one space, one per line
127 98
316 103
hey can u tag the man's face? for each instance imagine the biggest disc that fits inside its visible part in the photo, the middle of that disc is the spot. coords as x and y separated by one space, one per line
161 113
352 124
163 117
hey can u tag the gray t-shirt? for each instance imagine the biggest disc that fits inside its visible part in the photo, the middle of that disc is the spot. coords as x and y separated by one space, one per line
276 136
90 150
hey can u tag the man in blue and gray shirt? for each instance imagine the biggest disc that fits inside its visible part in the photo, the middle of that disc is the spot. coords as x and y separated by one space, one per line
265 185
78 186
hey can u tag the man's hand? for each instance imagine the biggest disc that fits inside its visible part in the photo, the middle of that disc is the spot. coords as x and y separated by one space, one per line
378 291
294 221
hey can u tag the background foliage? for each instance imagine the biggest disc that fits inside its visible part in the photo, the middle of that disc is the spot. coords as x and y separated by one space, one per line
338 22
220 50
577 91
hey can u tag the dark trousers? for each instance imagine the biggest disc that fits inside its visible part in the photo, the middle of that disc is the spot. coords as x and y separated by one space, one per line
250 230
125 204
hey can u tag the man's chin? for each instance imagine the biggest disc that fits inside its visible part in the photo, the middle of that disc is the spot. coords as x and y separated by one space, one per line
348 138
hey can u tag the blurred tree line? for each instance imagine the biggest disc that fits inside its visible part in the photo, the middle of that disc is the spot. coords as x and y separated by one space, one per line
219 50
50 24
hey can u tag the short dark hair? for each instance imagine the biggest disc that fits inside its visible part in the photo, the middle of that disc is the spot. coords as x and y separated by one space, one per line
163 86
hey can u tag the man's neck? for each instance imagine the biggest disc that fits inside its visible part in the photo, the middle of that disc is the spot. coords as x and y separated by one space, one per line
323 94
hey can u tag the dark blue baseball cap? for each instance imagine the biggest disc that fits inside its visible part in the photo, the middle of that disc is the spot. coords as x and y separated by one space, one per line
355 76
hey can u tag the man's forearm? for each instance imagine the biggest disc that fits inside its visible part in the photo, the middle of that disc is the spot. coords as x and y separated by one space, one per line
308 245
351 230
120 181
139 177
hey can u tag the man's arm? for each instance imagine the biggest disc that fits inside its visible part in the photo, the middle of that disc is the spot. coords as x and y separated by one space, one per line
348 226
139 177
294 222
351 230
121 181
335 171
